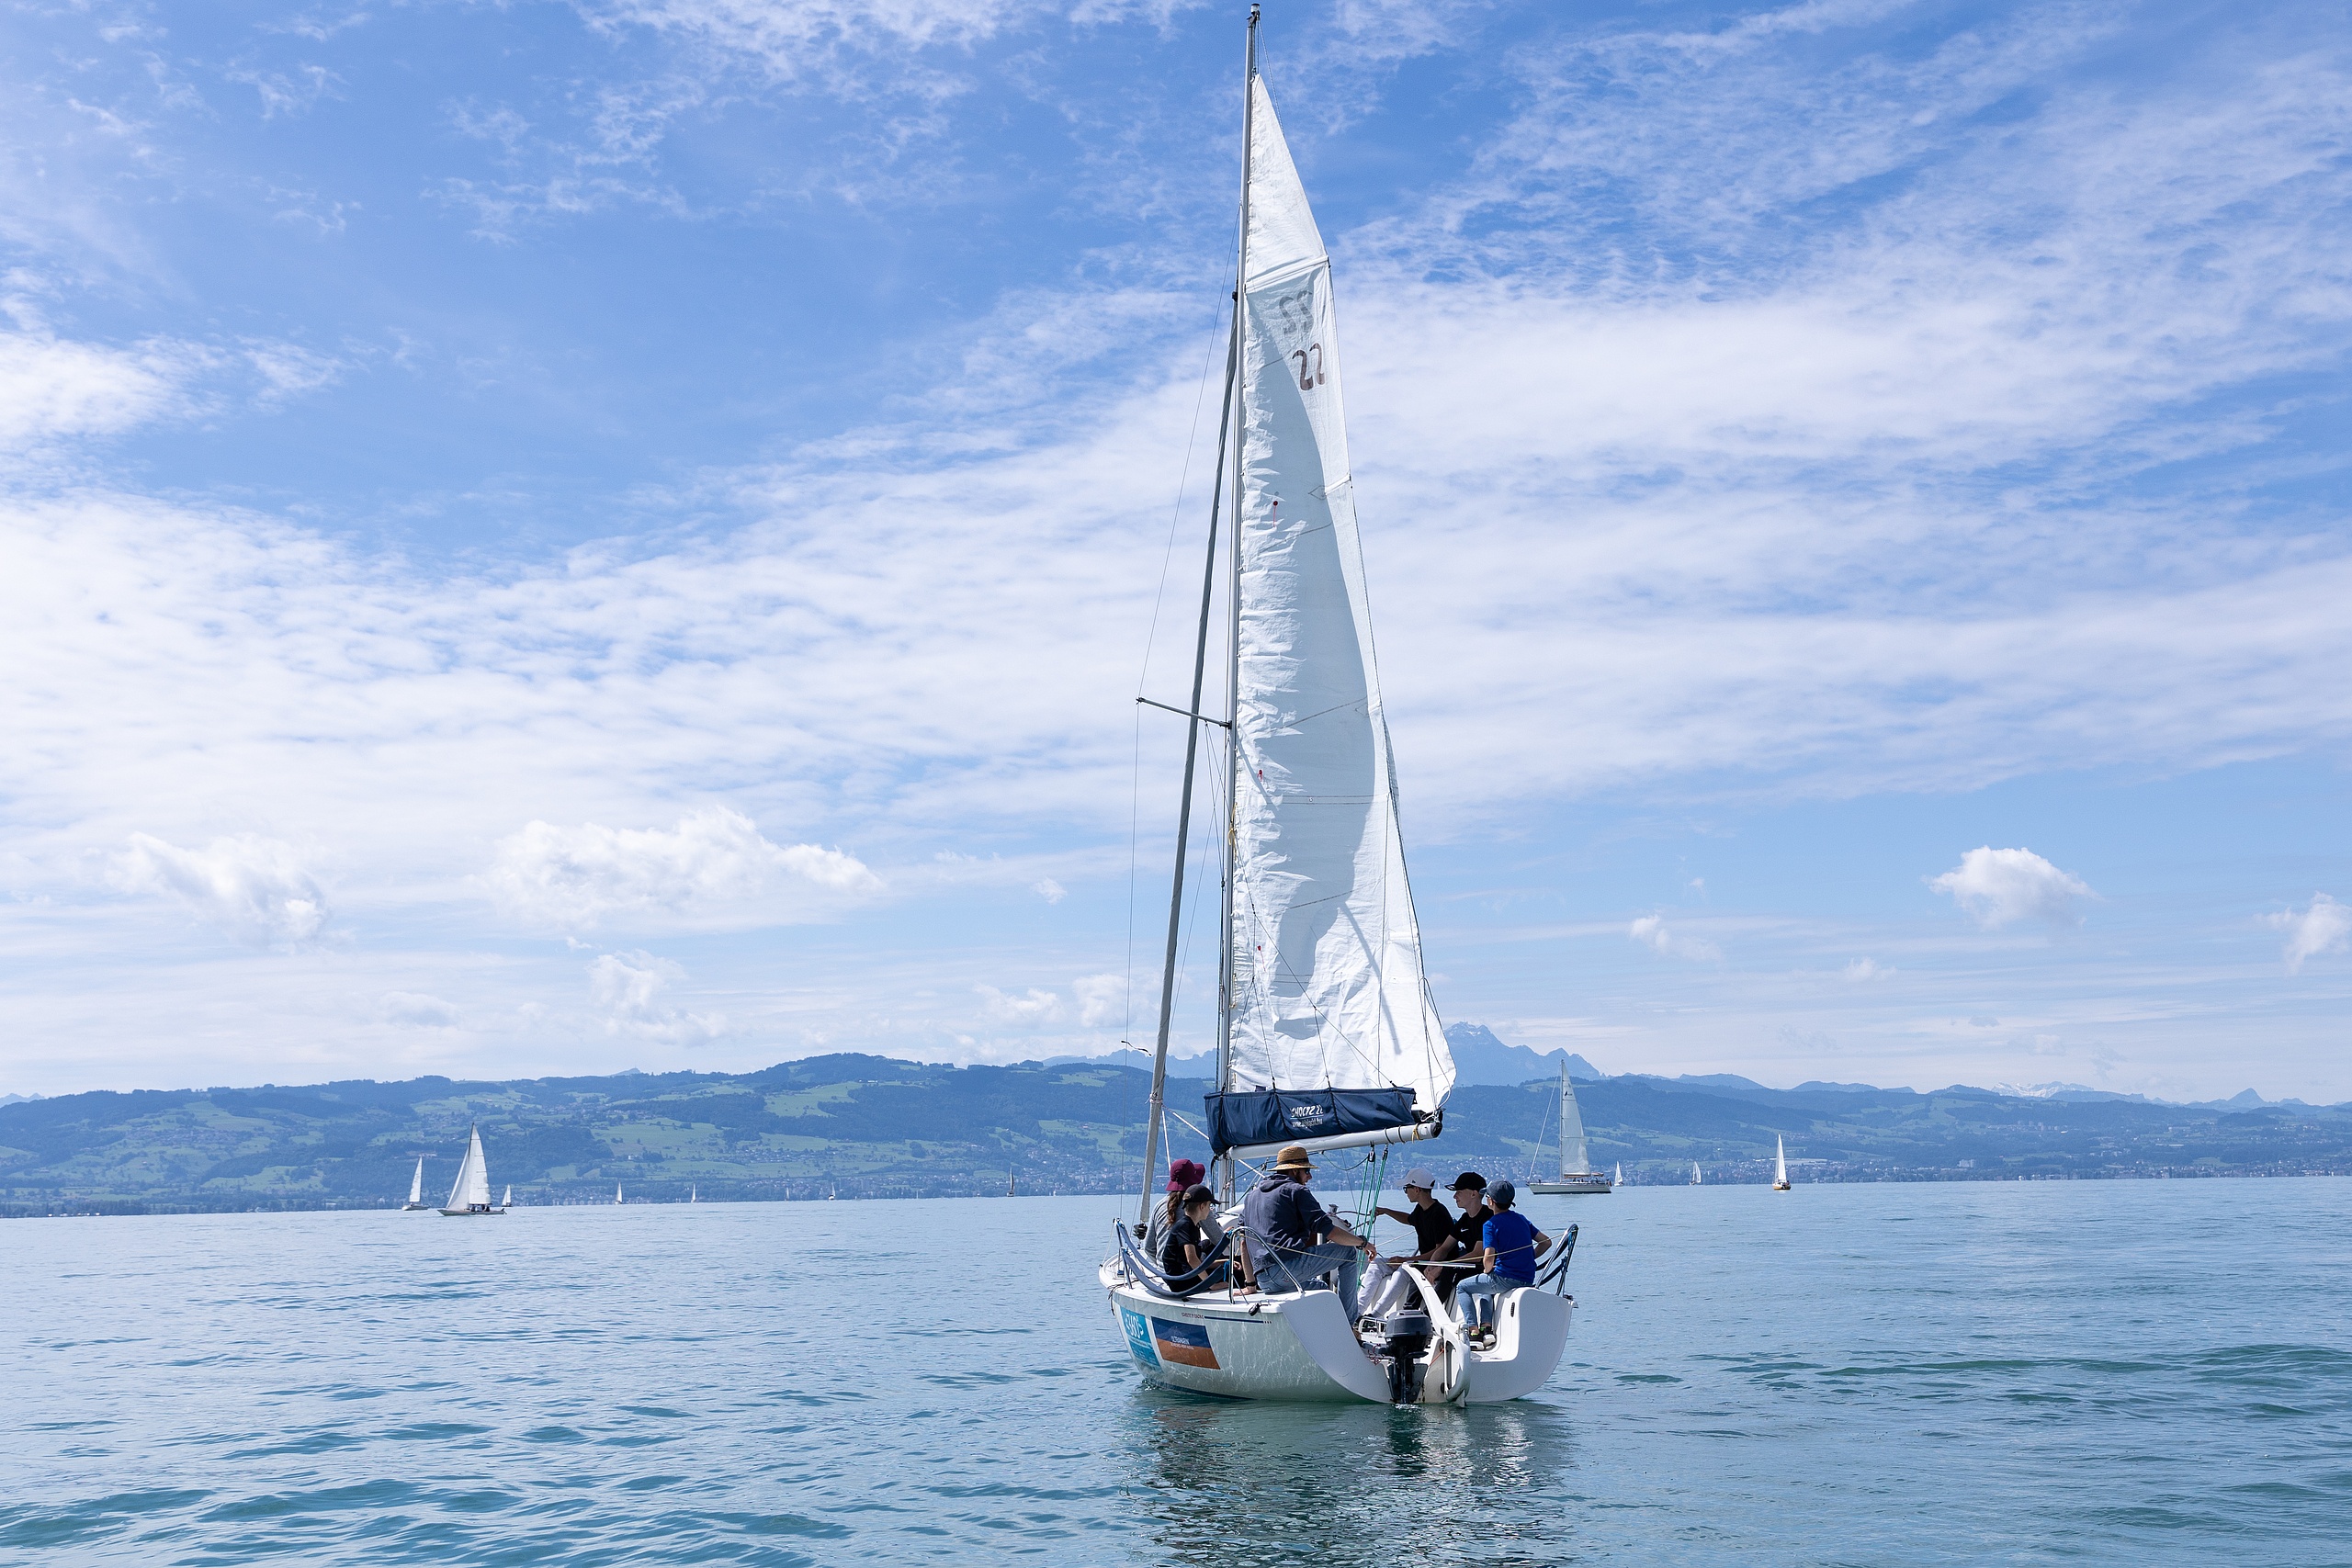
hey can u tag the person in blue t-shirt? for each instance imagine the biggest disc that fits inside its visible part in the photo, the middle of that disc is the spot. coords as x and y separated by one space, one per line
1512 1244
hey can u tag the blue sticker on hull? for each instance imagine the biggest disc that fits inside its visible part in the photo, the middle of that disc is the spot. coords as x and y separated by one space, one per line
1139 1338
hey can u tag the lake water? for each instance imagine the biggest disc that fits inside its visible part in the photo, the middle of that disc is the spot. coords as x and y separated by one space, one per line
2109 1372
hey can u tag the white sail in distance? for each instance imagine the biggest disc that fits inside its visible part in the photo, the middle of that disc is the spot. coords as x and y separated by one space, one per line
1328 988
472 1186
1575 1155
416 1186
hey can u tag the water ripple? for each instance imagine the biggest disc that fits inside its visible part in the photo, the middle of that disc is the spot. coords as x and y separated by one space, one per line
1883 1376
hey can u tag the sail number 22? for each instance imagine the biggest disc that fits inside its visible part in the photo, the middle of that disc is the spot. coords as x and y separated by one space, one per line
1297 313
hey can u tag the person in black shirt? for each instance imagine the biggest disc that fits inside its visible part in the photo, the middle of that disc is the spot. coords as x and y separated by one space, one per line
1469 1239
1386 1286
1183 1256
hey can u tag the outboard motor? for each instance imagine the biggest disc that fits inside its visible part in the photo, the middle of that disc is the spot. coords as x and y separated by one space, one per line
1408 1340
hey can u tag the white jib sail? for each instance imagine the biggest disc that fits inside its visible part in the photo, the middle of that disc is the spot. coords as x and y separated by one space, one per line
1576 1156
1327 991
472 1185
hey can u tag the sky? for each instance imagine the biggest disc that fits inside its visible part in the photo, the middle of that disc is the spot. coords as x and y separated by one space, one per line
556 537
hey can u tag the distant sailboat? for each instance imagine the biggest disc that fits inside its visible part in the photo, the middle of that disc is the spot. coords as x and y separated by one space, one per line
1696 1180
1779 1164
1619 1179
469 1194
1576 1174
415 1187
508 1201
617 1194
693 1193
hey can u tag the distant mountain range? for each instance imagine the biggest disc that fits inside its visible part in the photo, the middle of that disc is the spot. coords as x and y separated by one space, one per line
867 1126
1478 1058
1481 1057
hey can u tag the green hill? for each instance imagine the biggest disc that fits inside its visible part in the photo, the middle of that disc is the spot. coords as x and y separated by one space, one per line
867 1126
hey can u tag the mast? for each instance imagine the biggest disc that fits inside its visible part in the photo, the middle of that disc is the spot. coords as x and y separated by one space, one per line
1233 596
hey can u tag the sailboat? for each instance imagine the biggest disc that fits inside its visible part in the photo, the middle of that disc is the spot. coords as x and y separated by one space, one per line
416 1187
1696 1180
617 1194
508 1201
1619 1179
1328 1038
693 1193
1779 1163
1576 1174
469 1194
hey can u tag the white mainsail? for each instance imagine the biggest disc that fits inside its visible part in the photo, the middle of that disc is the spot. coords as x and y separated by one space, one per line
1696 1180
616 1193
416 1185
1780 1160
1328 989
472 1186
1575 1155
508 1201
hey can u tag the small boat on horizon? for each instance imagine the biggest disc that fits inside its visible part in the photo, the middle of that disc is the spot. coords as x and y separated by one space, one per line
617 1194
508 1201
693 1193
417 1188
1779 1163
1576 1174
1696 1180
469 1194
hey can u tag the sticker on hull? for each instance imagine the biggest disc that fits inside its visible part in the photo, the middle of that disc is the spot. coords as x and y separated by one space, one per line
1186 1344
1139 1338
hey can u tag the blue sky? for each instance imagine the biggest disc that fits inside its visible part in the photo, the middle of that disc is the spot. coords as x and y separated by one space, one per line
553 537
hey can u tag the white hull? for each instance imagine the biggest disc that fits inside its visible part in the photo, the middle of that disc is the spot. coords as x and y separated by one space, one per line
1591 1182
1299 1349
468 1214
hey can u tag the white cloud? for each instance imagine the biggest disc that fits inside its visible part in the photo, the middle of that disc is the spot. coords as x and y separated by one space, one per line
1034 1007
1102 999
51 389
1052 892
256 889
413 1010
1865 969
1651 931
629 987
2324 927
714 860
2000 886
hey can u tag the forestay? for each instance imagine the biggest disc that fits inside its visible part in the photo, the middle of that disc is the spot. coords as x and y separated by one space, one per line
1327 991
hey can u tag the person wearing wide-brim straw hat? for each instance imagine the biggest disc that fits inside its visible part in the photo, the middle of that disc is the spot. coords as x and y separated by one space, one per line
1293 1242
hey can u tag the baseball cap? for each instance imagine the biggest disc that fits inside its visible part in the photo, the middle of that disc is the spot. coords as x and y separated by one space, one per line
1423 1177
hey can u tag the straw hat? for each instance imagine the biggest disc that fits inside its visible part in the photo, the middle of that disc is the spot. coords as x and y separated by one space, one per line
1293 1158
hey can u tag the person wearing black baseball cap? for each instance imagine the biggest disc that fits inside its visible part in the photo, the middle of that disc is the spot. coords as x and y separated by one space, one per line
1469 1240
